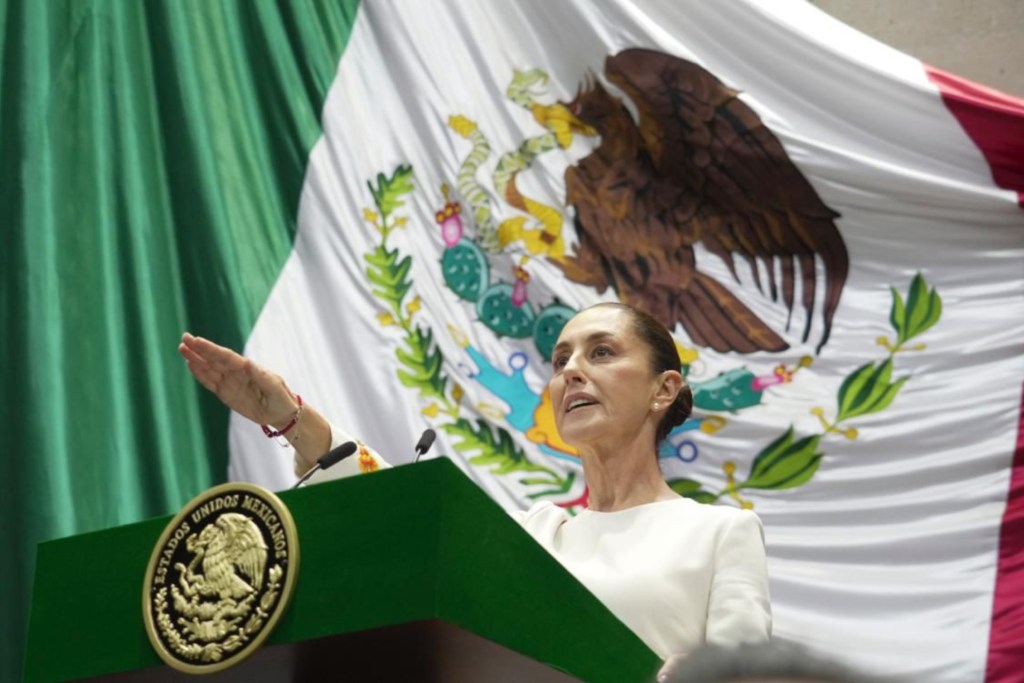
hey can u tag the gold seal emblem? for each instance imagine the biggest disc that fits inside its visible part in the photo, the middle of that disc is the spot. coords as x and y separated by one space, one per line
220 577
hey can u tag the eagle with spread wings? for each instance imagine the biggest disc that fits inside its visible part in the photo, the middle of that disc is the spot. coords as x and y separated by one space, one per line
230 551
697 166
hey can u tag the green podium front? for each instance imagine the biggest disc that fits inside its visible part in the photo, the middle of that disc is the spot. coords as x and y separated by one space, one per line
409 574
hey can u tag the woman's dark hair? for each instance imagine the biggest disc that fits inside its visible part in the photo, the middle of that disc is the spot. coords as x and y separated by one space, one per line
664 356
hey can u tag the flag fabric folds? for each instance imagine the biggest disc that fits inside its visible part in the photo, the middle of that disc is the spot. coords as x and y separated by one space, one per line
152 158
398 205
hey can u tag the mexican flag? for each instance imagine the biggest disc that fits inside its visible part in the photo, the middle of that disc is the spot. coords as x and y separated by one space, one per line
396 205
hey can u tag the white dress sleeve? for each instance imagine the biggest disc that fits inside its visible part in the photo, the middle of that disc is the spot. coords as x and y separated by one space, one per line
364 460
739 610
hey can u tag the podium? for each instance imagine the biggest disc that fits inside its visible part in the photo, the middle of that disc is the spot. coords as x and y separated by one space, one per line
408 574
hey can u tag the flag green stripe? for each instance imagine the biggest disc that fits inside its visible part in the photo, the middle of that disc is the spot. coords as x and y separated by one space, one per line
152 157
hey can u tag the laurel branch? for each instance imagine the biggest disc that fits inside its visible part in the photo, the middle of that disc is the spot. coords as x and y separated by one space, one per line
789 462
421 362
211 631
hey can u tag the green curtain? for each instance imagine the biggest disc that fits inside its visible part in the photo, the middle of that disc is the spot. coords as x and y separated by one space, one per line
151 156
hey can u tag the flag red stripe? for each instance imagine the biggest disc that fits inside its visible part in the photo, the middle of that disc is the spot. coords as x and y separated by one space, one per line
995 122
1006 638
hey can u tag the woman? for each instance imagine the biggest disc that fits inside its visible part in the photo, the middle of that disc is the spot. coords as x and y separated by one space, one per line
677 572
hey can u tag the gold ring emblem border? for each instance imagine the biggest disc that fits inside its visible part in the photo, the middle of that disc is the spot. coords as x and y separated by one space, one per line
292 536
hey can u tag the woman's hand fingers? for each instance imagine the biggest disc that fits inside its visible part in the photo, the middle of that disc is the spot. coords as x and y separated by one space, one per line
197 357
238 382
213 355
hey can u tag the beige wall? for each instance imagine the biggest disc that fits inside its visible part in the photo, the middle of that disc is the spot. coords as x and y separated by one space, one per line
982 40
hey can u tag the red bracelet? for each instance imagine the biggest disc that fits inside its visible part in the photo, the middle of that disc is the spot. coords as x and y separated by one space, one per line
271 433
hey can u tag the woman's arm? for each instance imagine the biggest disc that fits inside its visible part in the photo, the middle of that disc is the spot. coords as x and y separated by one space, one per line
257 394
739 610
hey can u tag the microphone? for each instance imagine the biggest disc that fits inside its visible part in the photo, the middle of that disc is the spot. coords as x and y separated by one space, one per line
329 459
424 444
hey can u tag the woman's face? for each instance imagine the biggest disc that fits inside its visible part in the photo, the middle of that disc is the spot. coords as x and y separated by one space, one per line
603 387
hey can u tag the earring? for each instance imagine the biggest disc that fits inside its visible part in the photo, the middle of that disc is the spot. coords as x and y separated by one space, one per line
656 405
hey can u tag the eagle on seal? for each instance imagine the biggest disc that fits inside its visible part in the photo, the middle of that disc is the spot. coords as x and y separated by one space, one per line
696 166
232 554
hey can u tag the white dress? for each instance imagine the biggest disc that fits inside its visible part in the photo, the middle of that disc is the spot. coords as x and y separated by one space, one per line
676 572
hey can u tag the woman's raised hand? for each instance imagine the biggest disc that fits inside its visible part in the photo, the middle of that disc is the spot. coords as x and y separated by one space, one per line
239 383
